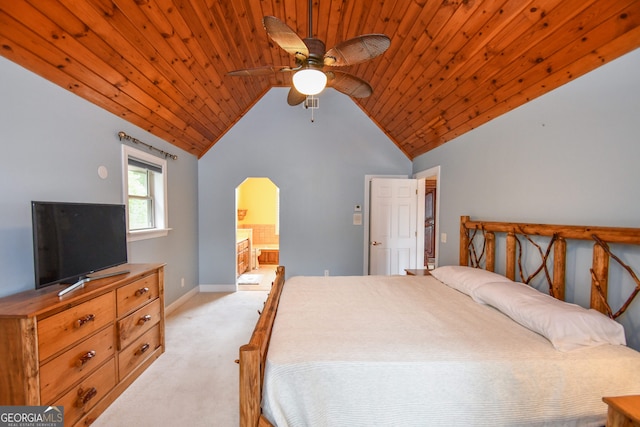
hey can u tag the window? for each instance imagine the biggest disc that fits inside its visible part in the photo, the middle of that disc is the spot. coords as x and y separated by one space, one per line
145 189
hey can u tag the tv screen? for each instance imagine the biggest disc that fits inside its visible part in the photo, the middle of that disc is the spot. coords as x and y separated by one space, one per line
72 240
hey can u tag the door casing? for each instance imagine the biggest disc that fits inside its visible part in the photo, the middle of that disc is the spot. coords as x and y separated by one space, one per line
421 177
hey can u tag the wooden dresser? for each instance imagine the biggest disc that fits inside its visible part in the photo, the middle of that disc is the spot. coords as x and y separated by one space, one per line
81 350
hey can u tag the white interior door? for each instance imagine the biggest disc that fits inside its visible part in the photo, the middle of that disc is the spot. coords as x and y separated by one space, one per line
392 225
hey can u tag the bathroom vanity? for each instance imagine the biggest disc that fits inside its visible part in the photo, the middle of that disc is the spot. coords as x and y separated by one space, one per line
243 253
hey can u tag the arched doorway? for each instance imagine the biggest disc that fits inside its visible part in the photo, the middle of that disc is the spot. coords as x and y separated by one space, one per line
257 233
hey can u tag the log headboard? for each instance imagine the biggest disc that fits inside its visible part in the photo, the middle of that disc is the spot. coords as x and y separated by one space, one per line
483 254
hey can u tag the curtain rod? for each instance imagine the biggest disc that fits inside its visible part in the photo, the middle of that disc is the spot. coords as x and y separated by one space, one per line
123 135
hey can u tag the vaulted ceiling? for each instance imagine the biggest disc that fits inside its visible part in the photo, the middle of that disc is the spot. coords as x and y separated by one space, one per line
452 64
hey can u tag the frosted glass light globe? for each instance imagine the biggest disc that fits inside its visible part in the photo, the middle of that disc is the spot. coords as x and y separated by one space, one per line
309 81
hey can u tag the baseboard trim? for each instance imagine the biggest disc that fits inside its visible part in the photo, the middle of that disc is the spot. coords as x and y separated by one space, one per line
218 288
177 303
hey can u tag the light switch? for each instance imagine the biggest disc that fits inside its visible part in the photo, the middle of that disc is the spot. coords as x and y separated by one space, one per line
443 237
357 219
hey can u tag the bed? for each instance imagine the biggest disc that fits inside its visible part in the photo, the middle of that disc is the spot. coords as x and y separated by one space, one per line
421 350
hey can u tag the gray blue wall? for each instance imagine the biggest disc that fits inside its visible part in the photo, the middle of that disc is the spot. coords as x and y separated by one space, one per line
319 168
569 157
52 145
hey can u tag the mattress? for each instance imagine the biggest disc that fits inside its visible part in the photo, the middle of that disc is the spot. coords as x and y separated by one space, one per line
410 351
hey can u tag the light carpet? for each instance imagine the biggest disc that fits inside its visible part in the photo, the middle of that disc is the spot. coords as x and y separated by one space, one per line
195 382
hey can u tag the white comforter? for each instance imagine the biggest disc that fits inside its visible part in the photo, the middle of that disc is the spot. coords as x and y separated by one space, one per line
410 351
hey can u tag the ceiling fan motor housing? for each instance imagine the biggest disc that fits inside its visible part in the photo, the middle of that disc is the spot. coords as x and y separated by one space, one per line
316 52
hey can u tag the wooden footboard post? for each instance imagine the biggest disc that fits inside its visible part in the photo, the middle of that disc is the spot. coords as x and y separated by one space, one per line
250 377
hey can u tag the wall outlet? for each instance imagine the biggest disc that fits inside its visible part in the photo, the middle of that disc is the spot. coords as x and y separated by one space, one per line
182 282
326 272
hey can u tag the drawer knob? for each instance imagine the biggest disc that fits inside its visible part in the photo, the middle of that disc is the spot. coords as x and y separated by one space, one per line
144 319
142 349
142 291
85 358
84 320
85 396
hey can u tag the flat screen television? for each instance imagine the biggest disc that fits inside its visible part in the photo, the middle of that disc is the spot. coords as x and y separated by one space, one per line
73 240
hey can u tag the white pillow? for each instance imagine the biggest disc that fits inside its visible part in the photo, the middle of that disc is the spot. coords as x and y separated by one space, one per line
567 326
466 279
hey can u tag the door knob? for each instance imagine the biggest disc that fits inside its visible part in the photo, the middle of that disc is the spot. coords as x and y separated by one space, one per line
374 243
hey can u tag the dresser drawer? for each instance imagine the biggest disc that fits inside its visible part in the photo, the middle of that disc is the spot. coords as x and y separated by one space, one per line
69 367
137 323
136 294
138 351
63 329
81 398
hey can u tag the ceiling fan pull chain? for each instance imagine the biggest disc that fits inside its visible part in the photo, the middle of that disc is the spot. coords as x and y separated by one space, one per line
312 109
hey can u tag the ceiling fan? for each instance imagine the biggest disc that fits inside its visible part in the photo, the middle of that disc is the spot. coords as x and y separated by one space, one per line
311 59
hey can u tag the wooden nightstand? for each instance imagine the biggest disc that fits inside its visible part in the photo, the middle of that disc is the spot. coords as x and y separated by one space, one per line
417 272
624 411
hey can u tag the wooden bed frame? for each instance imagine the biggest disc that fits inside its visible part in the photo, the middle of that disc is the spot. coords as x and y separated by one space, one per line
558 236
253 357
477 254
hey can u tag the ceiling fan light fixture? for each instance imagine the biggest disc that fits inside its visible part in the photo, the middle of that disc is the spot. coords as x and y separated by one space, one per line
309 81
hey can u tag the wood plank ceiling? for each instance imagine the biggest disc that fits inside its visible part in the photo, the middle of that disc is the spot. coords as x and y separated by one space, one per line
452 65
